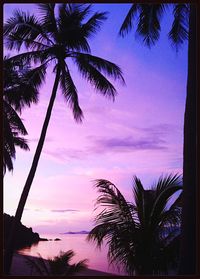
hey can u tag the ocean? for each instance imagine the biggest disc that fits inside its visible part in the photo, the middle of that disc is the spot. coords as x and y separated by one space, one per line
97 259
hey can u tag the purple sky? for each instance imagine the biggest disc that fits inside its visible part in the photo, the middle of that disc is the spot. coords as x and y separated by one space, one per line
141 133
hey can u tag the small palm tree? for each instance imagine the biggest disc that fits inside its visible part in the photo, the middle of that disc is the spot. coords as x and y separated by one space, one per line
18 92
147 18
143 235
57 266
54 38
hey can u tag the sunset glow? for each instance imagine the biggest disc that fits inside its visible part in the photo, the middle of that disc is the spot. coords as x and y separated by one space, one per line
140 133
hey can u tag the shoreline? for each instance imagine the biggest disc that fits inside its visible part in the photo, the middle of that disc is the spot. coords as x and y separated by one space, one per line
21 268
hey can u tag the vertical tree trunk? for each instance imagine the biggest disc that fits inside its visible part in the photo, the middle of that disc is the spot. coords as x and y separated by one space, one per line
188 240
10 247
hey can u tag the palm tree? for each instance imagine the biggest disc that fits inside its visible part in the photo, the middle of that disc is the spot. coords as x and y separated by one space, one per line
55 37
183 28
18 92
142 235
57 266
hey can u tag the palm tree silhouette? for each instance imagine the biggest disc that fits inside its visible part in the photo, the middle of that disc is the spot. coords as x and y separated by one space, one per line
57 266
18 92
183 28
54 37
142 236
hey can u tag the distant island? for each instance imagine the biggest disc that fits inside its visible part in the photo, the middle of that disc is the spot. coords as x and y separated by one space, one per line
80 232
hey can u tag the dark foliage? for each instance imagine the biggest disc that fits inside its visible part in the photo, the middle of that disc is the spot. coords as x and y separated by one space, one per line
19 90
56 37
147 18
24 236
57 266
143 235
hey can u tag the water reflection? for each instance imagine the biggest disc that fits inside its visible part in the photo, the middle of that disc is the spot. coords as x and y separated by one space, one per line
97 259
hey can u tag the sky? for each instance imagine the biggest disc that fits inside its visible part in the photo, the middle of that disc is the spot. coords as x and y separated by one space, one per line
140 133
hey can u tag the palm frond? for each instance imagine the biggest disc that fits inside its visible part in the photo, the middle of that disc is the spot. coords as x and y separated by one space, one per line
179 31
99 232
93 24
138 192
127 24
48 20
111 196
166 182
7 160
14 120
20 23
77 267
15 42
136 241
93 76
12 127
24 89
21 142
70 31
35 77
8 144
13 97
148 27
24 28
119 238
80 11
64 257
70 93
57 266
29 56
178 201
167 187
122 251
8 138
114 223
105 66
170 218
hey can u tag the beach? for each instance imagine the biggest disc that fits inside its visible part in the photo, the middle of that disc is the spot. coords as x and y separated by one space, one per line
21 268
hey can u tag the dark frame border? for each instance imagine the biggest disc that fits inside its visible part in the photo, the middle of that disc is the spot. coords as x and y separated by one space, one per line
196 2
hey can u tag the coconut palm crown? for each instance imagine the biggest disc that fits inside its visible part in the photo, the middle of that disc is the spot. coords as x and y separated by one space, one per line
143 235
53 38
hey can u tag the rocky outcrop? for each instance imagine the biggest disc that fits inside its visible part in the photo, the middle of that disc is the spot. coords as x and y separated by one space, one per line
24 236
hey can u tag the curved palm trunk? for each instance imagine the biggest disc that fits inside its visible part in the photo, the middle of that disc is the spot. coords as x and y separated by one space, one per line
10 246
188 241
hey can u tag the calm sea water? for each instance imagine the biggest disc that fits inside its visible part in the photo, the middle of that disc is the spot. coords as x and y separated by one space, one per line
97 259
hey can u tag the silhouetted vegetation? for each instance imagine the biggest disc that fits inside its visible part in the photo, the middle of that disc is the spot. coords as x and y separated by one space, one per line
57 266
19 90
143 235
184 27
24 236
54 38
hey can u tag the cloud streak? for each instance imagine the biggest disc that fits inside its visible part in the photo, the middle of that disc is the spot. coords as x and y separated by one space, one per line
64 154
112 144
64 210
129 144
